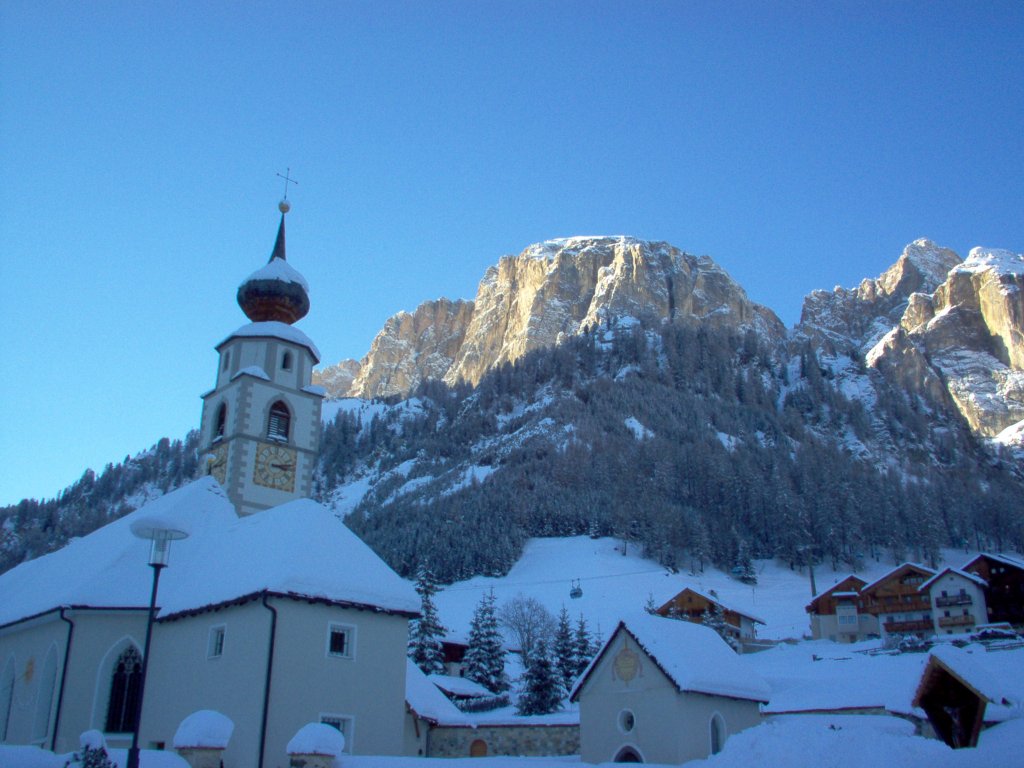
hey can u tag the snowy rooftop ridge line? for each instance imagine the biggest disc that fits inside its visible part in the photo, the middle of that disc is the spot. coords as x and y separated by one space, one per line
277 330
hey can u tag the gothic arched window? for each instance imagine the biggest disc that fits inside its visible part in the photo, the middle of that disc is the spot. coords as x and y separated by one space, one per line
124 692
279 421
222 418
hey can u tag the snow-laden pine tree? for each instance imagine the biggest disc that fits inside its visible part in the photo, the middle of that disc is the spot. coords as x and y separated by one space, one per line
484 662
542 684
584 647
425 633
714 618
744 565
565 649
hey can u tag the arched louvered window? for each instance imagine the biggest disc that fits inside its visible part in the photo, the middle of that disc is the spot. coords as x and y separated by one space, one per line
222 418
279 422
124 692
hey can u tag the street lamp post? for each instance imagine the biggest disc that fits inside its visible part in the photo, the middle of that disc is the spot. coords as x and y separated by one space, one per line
161 533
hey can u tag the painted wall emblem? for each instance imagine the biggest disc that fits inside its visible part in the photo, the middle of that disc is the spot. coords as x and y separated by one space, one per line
626 666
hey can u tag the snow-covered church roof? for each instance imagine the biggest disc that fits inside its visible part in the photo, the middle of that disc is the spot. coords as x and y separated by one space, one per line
299 549
694 657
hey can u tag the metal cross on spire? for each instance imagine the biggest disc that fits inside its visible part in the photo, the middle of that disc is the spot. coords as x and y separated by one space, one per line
287 180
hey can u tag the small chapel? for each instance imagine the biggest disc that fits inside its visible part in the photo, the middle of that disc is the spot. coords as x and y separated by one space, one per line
271 612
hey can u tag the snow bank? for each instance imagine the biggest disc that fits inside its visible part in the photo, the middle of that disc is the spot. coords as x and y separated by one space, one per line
205 728
317 739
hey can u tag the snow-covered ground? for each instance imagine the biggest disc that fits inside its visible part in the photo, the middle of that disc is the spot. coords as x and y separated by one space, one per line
617 585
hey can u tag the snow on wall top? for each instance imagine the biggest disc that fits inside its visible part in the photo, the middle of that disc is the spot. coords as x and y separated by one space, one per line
317 739
693 657
459 686
278 269
299 548
277 330
972 669
205 729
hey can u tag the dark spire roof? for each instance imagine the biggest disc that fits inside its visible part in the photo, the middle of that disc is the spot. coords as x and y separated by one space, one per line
277 291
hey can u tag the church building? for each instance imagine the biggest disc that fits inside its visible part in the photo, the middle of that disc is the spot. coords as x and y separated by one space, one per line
271 612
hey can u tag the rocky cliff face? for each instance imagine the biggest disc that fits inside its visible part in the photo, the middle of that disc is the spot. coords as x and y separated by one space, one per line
550 291
968 335
860 316
337 379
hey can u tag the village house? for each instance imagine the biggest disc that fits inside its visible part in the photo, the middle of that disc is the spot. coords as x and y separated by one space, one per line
692 605
957 601
836 614
896 600
1005 593
664 691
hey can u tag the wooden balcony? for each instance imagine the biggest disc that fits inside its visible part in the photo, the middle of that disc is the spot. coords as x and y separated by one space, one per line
955 621
908 626
945 602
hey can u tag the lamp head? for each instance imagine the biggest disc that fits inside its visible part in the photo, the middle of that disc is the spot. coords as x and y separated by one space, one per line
161 533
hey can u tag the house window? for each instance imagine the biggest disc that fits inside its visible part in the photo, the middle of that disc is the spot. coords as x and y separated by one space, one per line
345 724
215 644
341 640
286 361
279 421
124 692
222 418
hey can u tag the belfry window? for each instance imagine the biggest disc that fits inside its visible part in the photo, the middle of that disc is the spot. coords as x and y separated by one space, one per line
279 421
286 361
124 692
222 417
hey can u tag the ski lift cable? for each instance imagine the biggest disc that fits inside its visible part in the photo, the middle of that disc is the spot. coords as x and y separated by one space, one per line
466 588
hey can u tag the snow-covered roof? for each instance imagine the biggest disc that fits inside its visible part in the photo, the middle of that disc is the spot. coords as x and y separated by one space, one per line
278 269
998 558
298 549
717 601
890 574
973 577
694 657
459 686
969 668
275 329
426 700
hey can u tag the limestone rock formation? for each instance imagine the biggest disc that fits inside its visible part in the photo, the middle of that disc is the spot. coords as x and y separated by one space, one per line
337 379
860 316
550 291
970 332
413 347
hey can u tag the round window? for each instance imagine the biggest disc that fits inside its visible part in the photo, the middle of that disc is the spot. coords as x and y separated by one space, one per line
626 721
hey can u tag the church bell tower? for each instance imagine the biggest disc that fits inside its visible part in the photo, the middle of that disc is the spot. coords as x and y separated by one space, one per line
260 431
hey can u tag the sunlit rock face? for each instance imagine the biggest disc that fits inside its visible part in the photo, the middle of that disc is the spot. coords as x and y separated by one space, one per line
549 292
971 333
413 347
337 379
859 317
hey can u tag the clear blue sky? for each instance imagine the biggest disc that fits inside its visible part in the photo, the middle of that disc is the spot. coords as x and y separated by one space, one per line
800 145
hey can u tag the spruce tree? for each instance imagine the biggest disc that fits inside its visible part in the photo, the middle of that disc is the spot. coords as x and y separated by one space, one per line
584 647
714 618
484 662
744 565
425 633
543 690
565 650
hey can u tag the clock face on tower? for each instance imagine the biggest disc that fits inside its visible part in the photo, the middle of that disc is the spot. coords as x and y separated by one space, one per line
217 464
275 467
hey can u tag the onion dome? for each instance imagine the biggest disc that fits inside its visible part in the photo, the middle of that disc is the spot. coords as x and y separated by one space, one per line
277 291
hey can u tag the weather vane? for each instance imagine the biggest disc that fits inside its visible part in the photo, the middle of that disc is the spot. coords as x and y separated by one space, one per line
284 205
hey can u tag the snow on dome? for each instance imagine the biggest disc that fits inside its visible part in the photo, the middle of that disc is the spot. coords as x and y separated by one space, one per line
275 329
693 656
1002 261
205 728
92 740
165 526
278 269
317 739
